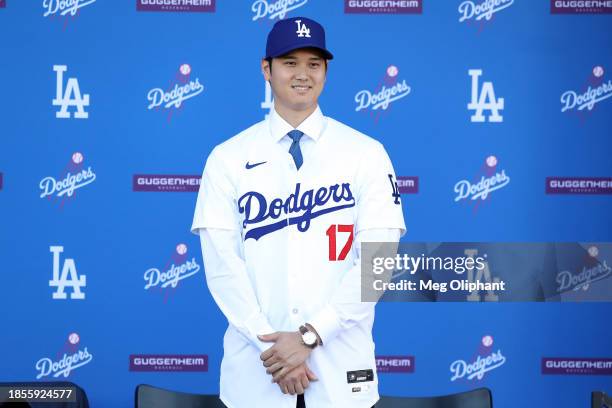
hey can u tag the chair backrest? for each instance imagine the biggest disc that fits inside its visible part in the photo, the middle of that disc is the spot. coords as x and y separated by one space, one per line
479 398
148 396
81 396
600 400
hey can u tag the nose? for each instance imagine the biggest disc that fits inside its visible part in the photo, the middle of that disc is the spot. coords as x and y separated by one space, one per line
300 74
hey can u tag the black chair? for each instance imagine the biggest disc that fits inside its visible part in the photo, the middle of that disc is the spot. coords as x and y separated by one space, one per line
148 396
600 400
81 396
479 398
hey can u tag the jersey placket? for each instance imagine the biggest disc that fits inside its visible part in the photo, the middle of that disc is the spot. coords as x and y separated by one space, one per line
296 251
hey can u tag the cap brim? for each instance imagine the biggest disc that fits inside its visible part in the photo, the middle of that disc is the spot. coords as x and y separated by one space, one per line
328 55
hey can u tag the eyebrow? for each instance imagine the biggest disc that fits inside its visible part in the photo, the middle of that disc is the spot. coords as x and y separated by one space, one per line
292 57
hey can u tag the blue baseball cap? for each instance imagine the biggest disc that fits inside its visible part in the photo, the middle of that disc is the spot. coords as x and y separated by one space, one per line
294 33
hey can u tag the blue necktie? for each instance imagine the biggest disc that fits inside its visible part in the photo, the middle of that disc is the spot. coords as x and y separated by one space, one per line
294 150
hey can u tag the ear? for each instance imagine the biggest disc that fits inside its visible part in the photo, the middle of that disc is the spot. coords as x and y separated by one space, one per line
265 69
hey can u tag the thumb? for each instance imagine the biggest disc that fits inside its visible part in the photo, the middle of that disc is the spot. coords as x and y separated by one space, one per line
311 376
268 337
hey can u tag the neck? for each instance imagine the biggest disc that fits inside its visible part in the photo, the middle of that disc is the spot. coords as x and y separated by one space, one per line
292 117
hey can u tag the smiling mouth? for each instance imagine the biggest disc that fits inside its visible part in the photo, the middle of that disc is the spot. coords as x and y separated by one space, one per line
301 88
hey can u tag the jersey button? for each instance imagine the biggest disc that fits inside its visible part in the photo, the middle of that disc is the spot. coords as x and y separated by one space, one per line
295 310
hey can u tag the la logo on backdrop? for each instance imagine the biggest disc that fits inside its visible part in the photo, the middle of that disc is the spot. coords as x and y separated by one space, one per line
487 359
481 13
488 179
69 95
180 89
389 90
73 177
583 102
274 9
70 357
65 275
176 269
483 99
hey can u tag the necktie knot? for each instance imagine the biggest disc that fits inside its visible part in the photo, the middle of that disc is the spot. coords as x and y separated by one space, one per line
295 135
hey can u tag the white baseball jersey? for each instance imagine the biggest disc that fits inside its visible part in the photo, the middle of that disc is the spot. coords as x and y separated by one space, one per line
278 252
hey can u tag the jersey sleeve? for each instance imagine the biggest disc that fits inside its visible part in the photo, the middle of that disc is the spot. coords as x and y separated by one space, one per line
216 204
378 200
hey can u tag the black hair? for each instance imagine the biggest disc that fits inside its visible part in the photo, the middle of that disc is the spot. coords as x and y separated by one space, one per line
269 59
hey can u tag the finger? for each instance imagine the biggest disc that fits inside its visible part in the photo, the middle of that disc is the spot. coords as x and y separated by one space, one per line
298 388
311 376
291 389
304 381
279 374
283 388
274 368
268 337
270 362
267 354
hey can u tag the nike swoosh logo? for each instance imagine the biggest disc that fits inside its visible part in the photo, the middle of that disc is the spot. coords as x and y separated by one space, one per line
250 166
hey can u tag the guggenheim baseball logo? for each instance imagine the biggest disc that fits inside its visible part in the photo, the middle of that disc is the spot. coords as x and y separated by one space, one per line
165 183
274 9
71 357
389 90
169 362
176 5
576 366
395 364
181 89
383 6
578 185
179 267
487 359
580 6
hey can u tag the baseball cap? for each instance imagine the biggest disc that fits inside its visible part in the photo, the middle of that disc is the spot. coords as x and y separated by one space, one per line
294 33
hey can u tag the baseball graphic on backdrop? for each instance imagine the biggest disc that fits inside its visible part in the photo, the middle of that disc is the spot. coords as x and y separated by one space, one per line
491 161
77 157
185 69
73 338
392 71
487 341
598 71
593 251
181 249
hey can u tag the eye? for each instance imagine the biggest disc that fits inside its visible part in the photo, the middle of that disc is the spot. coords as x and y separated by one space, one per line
290 63
315 65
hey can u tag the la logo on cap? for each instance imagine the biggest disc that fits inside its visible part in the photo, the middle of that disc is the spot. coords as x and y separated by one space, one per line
302 30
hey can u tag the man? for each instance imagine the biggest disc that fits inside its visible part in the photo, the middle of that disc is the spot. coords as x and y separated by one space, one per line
282 210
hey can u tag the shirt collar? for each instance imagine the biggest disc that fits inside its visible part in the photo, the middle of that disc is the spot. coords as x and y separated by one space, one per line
312 126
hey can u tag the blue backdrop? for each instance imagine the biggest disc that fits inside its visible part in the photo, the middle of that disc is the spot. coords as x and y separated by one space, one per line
115 234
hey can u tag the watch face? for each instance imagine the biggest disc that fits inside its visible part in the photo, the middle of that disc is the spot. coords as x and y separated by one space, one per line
309 338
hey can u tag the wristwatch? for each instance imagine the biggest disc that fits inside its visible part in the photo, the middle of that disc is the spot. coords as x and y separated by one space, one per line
309 338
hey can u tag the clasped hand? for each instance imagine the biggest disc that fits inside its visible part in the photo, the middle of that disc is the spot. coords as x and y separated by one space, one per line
286 362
